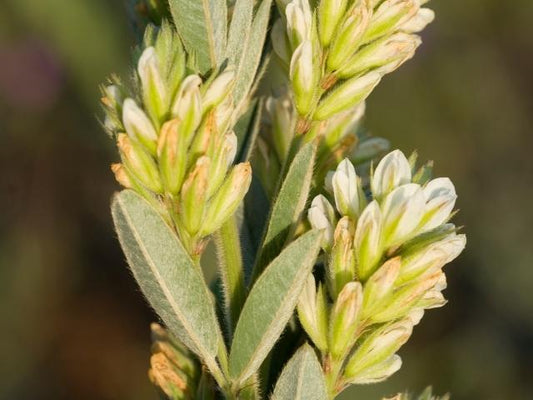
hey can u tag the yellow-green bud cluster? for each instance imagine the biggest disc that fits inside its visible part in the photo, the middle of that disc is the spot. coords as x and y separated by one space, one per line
175 139
383 252
338 52
173 368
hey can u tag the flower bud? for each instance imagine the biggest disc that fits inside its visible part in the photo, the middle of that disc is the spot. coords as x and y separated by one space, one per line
349 35
112 97
369 149
431 258
432 299
403 300
303 77
341 263
378 347
341 125
222 160
313 313
329 15
321 216
218 90
440 199
378 372
281 114
121 175
392 171
418 22
194 196
386 54
389 16
368 248
227 199
279 41
138 125
299 22
154 89
346 188
167 377
188 107
222 115
347 94
139 162
344 319
416 315
380 285
403 210
172 155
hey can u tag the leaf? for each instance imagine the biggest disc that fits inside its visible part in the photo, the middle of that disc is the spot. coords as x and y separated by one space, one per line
251 55
239 30
168 278
288 206
202 26
270 305
302 378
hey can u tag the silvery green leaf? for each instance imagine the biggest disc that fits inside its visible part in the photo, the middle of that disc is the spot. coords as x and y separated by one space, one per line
270 305
251 54
168 278
302 378
288 206
202 26
239 30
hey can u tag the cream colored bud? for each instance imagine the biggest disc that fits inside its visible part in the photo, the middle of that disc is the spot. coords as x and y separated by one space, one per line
121 175
378 372
368 247
378 347
403 210
303 77
330 13
138 125
341 263
321 216
194 196
390 16
163 374
172 155
283 120
380 285
228 197
346 186
416 315
369 149
349 37
345 318
440 200
341 125
299 22
386 54
418 22
218 90
312 312
347 94
432 299
188 106
154 88
392 171
112 96
224 154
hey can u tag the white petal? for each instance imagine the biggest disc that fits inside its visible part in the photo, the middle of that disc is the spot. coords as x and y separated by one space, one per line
392 171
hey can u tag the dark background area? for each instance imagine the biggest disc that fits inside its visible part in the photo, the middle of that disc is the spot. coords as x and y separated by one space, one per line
73 325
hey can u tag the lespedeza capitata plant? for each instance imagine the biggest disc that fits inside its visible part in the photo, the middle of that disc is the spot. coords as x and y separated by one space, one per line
241 126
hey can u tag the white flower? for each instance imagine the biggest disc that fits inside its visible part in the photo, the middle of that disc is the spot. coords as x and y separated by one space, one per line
367 240
403 209
346 189
138 125
392 171
440 200
417 23
321 216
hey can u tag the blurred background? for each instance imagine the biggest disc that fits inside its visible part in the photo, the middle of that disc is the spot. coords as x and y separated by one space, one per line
73 325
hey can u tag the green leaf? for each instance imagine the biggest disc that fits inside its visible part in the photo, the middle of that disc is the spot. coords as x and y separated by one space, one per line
202 26
251 54
288 206
302 378
270 305
239 30
169 279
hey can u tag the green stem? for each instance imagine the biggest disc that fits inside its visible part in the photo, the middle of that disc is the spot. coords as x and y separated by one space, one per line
231 271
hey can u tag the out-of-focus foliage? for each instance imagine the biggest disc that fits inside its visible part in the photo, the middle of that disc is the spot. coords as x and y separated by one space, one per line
73 323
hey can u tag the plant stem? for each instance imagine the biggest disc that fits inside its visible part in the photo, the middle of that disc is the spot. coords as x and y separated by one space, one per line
231 271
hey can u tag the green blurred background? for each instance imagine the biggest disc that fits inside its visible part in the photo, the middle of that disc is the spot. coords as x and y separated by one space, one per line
73 325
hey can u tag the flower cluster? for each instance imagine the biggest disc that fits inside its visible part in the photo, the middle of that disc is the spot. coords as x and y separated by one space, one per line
338 52
173 131
383 253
